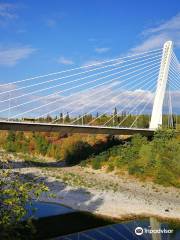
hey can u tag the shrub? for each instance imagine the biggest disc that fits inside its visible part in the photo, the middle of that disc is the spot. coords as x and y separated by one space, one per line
10 142
137 141
110 167
77 152
54 151
158 159
15 194
96 163
165 177
135 169
41 144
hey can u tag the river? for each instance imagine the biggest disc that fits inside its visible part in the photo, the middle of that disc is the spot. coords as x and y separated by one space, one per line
55 221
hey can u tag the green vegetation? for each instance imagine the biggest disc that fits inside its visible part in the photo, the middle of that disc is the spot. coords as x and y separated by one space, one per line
71 149
16 192
33 144
158 159
74 149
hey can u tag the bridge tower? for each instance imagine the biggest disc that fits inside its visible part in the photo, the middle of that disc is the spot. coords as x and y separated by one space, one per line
156 116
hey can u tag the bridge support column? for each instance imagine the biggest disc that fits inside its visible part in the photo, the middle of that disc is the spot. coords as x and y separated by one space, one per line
156 116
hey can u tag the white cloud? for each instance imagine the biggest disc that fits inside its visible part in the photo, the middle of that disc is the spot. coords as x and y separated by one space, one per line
172 24
156 36
100 99
152 42
7 87
65 61
92 62
11 56
102 50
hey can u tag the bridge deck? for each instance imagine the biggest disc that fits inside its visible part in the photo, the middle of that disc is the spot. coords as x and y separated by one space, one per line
65 128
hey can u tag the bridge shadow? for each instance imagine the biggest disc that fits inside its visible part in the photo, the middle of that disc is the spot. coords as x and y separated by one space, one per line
77 198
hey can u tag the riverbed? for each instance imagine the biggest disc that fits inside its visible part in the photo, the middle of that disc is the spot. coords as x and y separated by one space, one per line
105 194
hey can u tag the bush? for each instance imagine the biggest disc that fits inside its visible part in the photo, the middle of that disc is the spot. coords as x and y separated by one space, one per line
10 142
165 177
96 163
158 159
15 194
41 144
135 169
76 152
54 151
110 167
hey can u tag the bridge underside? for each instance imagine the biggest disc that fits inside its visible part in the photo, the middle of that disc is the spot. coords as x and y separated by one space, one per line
61 128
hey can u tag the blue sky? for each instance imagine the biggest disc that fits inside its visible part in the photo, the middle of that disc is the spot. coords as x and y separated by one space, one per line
45 36
39 37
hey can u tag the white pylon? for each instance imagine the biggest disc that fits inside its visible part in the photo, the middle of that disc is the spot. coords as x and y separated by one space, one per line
156 116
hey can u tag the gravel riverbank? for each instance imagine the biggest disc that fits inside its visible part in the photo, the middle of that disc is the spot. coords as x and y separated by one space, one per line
106 194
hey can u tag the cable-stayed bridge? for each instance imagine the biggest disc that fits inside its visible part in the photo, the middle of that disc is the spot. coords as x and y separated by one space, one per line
137 93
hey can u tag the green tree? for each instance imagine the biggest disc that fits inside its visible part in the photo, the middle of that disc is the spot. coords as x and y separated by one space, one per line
42 144
15 194
10 142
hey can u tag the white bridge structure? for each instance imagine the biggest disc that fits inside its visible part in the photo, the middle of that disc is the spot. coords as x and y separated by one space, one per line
125 95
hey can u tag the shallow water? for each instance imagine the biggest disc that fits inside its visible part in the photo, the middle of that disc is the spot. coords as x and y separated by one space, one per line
59 222
44 209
